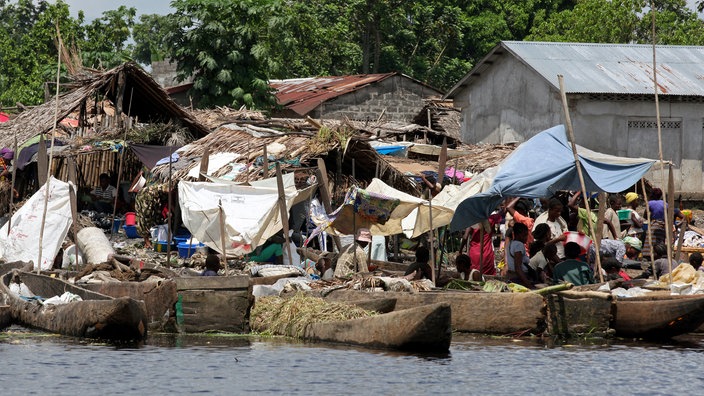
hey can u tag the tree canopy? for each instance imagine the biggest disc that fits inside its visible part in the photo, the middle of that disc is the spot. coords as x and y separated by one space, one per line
232 48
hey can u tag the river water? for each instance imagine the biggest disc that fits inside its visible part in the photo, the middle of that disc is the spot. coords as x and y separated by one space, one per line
39 363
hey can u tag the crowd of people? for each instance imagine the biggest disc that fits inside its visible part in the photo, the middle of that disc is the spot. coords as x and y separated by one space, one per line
549 240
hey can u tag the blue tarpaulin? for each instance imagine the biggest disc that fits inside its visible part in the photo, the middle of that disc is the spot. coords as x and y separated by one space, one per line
544 165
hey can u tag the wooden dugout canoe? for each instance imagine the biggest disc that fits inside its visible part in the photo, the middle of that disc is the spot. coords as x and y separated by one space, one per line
424 329
657 316
473 312
97 316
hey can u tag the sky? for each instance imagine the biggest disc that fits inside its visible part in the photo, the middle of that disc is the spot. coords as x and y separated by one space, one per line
94 8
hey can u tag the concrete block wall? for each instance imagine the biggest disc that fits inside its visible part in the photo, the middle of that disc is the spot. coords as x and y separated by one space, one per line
394 99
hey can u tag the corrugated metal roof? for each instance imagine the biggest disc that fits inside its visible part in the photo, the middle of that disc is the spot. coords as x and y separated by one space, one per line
605 68
302 95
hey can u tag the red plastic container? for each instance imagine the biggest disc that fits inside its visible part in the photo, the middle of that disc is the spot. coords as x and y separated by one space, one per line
130 219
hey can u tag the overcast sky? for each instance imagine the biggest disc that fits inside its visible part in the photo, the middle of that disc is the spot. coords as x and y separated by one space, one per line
94 8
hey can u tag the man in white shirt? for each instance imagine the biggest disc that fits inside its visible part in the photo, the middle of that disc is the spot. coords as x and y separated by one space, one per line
104 195
553 218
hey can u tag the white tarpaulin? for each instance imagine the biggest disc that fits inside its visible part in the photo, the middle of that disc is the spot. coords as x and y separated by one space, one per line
411 216
251 212
23 242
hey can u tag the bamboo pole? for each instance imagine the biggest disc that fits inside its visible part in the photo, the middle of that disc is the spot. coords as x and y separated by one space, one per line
283 209
51 154
265 170
578 165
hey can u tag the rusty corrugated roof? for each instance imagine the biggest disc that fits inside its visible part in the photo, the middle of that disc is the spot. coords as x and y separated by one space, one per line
604 68
302 95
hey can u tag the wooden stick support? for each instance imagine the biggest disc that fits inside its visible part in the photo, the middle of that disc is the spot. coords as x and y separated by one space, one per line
322 176
223 247
283 209
204 162
578 165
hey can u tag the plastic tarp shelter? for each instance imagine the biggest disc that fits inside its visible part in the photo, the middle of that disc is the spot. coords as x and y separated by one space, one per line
22 243
411 216
252 214
545 164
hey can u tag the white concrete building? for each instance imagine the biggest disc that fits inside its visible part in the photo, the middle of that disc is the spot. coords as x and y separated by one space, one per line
513 93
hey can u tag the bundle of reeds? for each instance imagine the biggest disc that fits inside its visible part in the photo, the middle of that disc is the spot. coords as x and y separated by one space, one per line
291 316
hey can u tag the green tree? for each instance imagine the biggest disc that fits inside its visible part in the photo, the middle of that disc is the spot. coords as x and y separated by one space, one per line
222 45
148 35
106 43
28 51
622 21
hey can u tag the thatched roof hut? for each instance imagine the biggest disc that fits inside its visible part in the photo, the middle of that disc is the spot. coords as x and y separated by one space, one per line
295 144
132 92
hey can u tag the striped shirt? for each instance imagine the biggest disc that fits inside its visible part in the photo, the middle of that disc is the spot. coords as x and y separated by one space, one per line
107 194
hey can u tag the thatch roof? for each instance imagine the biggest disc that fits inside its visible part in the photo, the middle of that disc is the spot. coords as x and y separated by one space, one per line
297 148
141 96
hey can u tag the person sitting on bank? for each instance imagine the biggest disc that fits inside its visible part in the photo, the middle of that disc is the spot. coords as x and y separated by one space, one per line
695 260
517 259
420 269
325 269
104 195
212 265
352 258
613 269
572 270
463 264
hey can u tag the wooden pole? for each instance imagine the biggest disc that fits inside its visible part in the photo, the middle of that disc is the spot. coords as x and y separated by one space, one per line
51 155
578 165
659 126
283 209
122 161
435 268
222 236
74 205
680 240
650 229
12 187
322 175
204 162
670 214
42 165
265 170
169 231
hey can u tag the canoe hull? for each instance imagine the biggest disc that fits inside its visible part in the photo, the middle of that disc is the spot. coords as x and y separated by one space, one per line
658 317
97 316
472 312
425 329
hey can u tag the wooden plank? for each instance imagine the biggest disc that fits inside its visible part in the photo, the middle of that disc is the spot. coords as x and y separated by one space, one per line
204 161
42 161
207 310
213 283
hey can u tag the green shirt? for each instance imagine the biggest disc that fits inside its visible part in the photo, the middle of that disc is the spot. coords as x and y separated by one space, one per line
573 271
268 254
582 215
